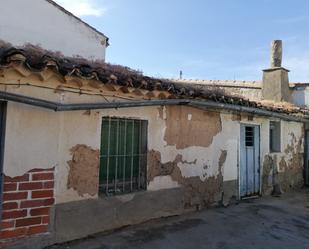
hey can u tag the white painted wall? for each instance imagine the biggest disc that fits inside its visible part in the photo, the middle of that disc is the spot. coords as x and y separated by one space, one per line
40 23
300 96
30 146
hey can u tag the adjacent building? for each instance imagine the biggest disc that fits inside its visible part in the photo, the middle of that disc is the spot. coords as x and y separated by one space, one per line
45 23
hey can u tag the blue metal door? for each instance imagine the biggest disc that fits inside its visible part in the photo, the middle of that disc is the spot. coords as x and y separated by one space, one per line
2 139
249 174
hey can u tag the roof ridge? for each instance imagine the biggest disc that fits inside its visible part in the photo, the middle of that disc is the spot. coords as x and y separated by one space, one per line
216 81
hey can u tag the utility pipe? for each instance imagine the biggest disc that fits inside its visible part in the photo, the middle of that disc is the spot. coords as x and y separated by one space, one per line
126 104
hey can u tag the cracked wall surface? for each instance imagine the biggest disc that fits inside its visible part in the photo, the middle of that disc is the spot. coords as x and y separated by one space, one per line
283 171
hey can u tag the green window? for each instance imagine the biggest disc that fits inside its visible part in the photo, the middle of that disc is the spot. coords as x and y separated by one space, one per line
123 156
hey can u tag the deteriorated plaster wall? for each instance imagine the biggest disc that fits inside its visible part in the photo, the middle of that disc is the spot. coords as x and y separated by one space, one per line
284 170
197 163
76 156
68 141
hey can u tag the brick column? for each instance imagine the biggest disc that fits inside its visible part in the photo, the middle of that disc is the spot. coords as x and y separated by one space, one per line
26 203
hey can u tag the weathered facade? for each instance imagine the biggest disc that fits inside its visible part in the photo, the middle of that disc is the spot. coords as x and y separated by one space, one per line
53 159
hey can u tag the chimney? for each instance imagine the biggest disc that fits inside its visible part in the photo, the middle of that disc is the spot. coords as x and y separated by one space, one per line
276 79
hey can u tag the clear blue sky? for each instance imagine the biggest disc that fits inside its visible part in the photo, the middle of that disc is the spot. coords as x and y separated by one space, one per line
206 39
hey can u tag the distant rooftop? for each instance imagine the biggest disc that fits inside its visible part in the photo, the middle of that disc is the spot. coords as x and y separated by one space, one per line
222 83
252 84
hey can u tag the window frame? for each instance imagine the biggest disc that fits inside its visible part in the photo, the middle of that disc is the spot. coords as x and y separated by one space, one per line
123 155
275 137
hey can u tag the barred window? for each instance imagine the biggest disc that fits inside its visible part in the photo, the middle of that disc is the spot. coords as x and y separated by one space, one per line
123 156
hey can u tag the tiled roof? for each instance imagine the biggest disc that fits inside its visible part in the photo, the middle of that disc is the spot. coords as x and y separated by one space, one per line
37 59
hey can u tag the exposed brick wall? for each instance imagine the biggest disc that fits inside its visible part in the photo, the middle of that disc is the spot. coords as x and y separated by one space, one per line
26 203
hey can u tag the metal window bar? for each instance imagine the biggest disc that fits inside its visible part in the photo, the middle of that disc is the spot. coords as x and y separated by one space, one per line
117 152
125 158
134 157
140 152
249 136
108 152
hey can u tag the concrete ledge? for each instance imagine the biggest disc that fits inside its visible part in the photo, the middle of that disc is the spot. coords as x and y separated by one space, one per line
79 219
76 220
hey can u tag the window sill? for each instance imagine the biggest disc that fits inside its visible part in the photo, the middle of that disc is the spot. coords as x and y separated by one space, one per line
275 152
103 195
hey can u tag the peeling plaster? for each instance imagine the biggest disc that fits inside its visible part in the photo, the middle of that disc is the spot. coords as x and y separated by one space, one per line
283 171
269 164
205 159
200 126
84 170
198 193
291 170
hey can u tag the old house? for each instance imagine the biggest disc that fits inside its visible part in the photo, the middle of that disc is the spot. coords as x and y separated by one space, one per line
45 23
89 147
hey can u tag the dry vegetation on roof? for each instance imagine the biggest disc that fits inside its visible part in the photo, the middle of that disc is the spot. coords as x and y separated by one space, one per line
38 59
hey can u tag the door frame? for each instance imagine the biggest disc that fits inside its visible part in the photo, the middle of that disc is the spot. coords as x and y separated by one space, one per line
258 125
3 111
306 157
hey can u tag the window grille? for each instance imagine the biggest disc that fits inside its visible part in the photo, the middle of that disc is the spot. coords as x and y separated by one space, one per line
249 136
123 156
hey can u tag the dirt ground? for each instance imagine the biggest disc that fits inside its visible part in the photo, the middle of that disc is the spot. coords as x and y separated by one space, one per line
270 223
